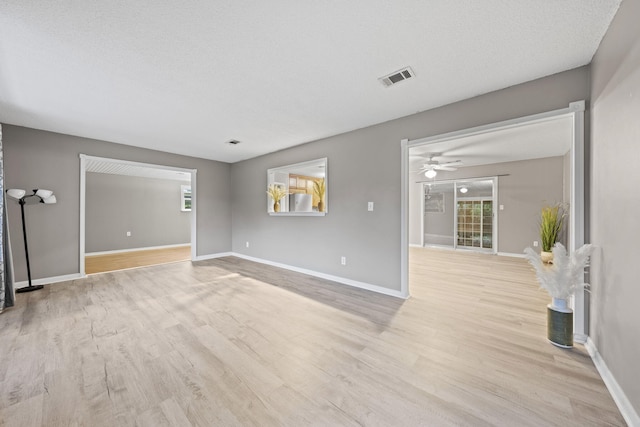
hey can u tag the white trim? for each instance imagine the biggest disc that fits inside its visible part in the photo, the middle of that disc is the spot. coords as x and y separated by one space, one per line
49 280
194 214
574 110
213 256
83 190
404 218
576 208
622 401
297 213
344 281
148 248
512 255
413 245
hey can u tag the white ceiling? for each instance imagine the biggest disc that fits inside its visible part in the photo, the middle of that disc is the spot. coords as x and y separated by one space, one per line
534 140
185 77
115 167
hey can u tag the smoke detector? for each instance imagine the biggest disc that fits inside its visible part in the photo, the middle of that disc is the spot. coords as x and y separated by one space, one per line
397 76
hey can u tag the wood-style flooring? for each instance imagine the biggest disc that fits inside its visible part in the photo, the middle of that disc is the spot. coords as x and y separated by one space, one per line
228 342
143 258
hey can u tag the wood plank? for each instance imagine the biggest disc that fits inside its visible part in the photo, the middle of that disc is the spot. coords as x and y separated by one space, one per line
132 259
234 343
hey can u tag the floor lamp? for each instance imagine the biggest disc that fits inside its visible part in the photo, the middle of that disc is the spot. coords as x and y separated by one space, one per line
39 196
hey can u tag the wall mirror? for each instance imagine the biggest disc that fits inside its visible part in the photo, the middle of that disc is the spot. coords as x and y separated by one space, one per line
299 189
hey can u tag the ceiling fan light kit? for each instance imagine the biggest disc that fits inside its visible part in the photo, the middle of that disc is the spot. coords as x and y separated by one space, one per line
431 166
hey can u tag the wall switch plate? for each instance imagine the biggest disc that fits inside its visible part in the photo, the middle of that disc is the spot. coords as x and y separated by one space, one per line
128 234
343 260
501 207
247 244
535 243
370 206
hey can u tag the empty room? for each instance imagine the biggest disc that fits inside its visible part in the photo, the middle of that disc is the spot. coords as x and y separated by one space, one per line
319 213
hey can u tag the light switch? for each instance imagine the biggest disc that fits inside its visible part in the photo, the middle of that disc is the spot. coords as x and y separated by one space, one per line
501 207
370 206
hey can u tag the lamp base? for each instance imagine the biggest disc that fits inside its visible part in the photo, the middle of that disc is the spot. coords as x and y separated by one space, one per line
29 288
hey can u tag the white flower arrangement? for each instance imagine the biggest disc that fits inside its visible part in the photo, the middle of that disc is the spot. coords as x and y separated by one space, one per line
565 275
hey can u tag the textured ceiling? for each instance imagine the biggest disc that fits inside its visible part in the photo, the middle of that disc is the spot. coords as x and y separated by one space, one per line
185 77
132 169
534 140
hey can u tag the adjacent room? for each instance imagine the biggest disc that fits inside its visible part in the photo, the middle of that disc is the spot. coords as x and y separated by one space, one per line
151 203
292 214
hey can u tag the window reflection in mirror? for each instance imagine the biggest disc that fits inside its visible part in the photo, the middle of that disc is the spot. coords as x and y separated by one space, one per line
298 189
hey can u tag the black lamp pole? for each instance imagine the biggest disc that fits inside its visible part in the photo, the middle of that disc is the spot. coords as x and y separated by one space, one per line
26 252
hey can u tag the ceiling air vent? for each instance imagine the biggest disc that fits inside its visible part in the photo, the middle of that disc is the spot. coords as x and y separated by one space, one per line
397 76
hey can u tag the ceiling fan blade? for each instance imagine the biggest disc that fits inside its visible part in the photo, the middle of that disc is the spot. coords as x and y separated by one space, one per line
452 163
445 168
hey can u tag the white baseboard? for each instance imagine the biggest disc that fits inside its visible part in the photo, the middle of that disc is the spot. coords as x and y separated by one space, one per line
119 251
213 256
342 280
512 255
415 245
49 280
624 404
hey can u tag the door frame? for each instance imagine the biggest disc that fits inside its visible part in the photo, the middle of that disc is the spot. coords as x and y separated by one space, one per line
83 187
494 199
575 111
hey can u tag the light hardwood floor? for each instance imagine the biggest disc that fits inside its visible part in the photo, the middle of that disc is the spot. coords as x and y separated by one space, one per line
143 258
229 342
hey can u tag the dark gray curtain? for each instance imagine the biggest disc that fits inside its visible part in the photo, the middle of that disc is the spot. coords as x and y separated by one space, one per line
7 294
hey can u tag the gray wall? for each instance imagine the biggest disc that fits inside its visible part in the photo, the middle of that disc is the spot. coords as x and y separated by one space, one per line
614 227
527 186
364 165
36 158
148 207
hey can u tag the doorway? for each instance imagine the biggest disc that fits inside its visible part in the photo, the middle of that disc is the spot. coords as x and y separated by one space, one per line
570 119
117 187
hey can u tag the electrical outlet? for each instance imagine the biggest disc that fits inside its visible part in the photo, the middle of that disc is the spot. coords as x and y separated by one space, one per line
247 244
535 243
343 260
370 206
128 234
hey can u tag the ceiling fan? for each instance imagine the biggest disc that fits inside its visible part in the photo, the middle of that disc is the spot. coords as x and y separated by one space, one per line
430 167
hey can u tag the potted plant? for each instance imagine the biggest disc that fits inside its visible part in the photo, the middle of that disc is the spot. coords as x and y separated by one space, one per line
560 280
276 192
319 188
551 223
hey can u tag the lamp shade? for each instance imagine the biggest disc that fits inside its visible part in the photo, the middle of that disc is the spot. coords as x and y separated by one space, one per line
50 200
430 173
16 193
42 193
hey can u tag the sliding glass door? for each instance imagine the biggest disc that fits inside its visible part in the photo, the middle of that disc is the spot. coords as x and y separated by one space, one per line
460 214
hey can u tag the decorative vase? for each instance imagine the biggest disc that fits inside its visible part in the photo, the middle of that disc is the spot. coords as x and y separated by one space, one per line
276 206
560 323
547 257
320 206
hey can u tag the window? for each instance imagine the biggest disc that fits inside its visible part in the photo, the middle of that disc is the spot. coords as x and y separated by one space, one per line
185 198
